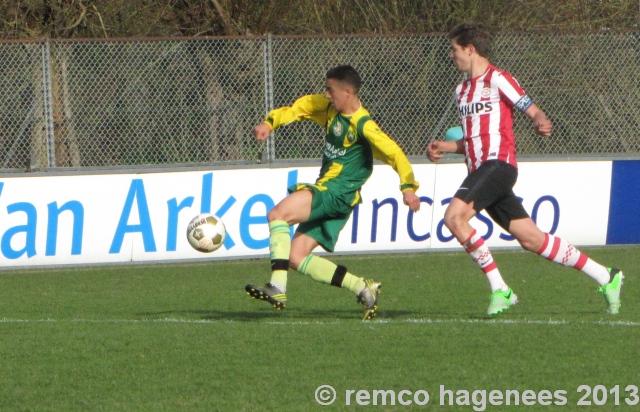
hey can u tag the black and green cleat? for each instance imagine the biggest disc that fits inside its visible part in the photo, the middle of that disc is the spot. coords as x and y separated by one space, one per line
369 298
269 293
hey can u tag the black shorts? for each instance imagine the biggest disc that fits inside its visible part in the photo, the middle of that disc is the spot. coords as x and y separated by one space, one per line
490 188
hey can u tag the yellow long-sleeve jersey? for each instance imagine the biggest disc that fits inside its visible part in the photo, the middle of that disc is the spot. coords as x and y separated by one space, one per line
351 143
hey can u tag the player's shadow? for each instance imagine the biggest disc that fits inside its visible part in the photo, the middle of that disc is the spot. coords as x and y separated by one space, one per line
302 315
211 315
287 315
514 314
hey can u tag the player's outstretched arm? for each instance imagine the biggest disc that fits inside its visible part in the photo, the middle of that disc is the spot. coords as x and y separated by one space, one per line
541 124
385 149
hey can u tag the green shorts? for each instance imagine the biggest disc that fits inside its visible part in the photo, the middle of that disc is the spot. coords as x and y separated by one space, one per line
329 213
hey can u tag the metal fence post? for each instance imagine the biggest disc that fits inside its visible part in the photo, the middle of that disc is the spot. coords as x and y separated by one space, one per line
268 90
47 93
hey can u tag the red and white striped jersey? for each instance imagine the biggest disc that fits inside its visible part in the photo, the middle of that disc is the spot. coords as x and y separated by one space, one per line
485 107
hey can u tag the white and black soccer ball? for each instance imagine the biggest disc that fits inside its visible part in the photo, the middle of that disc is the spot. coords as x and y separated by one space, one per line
206 233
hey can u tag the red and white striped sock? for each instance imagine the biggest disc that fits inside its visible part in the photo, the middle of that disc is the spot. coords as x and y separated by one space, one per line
565 254
481 255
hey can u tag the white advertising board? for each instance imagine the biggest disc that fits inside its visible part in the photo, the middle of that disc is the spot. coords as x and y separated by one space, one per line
61 220
570 199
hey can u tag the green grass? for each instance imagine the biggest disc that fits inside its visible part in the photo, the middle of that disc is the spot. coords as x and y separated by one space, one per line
186 337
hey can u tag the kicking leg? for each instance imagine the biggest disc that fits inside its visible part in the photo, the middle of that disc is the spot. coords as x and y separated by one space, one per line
560 251
324 271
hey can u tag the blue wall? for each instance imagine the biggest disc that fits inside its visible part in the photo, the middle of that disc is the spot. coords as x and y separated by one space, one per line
624 207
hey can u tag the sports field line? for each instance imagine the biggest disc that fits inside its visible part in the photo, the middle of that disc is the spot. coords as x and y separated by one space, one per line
426 321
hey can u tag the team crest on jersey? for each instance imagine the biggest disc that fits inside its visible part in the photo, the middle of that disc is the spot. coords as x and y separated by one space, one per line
351 137
486 92
337 129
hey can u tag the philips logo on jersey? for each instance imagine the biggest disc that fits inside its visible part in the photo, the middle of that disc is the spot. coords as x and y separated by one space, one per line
474 108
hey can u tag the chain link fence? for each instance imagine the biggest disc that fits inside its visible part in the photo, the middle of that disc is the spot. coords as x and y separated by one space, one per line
111 103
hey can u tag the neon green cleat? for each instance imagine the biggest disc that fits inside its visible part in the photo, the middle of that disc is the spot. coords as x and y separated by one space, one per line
501 301
611 290
369 298
269 293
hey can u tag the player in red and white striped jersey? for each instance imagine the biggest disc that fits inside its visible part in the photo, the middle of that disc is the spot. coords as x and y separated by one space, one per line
486 102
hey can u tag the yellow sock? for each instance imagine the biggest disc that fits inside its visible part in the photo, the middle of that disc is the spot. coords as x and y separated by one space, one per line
321 270
279 248
353 283
324 271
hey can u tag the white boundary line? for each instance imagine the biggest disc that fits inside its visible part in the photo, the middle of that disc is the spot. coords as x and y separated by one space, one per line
426 321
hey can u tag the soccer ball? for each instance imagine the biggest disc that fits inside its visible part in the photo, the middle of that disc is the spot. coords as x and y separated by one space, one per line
206 233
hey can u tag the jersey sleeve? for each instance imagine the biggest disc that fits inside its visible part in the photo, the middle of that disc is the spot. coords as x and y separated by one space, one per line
388 151
514 94
311 107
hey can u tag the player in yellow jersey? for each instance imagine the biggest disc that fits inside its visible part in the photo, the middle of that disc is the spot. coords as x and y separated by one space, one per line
322 209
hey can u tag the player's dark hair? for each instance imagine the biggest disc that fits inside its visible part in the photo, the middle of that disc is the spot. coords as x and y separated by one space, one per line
346 74
474 33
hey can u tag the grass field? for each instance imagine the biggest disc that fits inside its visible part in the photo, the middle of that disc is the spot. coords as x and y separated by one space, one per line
186 337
